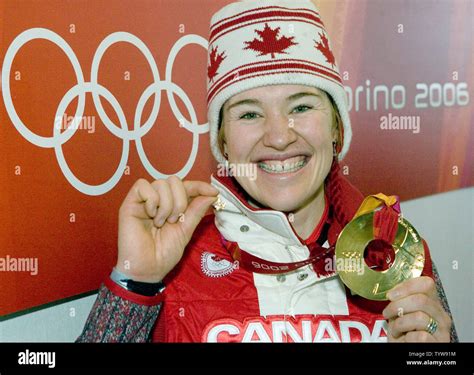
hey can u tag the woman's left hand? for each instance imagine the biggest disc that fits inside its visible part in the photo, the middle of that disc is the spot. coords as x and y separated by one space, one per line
413 303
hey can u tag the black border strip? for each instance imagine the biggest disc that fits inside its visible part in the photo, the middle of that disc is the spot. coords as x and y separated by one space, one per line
46 305
410 358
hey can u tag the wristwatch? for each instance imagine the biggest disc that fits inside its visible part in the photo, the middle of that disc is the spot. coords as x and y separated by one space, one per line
144 289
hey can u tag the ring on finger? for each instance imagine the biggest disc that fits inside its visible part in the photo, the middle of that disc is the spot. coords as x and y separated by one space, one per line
432 326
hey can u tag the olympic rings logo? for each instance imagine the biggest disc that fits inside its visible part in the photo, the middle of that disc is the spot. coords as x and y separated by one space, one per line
97 90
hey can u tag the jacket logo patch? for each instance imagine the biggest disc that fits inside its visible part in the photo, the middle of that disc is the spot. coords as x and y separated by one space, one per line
214 266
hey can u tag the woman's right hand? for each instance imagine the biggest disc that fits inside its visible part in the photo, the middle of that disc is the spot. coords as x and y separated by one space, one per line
156 222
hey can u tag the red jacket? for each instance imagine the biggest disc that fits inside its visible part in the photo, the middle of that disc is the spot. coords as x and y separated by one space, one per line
208 297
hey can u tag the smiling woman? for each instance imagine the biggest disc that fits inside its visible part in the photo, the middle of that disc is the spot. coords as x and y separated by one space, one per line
257 269
291 133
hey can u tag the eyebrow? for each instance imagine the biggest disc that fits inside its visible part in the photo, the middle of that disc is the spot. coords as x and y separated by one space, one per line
244 101
288 99
302 94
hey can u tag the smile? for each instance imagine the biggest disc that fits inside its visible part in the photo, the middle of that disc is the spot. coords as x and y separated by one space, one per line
289 165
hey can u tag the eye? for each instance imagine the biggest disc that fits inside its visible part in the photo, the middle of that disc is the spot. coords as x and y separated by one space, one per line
301 108
249 116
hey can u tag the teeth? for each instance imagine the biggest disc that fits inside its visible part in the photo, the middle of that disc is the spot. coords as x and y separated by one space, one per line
282 167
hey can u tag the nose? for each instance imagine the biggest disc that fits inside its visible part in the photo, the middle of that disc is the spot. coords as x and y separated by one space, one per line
279 133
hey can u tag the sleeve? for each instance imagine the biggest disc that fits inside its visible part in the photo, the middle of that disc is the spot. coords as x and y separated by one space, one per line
119 315
444 302
431 271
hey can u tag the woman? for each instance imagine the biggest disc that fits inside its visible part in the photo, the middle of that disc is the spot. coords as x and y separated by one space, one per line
257 270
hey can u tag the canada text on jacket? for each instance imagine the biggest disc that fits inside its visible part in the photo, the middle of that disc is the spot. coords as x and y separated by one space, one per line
302 328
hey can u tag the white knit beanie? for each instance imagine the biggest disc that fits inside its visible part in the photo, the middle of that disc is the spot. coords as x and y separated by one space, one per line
260 43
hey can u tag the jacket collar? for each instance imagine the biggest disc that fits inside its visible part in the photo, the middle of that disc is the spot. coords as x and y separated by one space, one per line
237 201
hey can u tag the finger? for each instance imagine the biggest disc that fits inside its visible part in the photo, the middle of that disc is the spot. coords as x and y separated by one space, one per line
412 303
140 196
195 212
417 321
180 198
165 206
419 336
195 188
391 337
422 284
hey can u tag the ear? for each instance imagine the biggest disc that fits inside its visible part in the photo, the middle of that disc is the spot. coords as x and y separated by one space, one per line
337 135
335 132
224 146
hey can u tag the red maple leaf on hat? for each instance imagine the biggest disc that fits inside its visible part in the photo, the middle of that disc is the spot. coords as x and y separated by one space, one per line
215 60
270 43
323 47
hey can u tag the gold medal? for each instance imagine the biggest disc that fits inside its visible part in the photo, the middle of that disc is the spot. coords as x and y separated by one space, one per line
358 276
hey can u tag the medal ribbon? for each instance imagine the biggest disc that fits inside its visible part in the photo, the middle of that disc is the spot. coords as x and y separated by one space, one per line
372 202
255 264
385 219
385 226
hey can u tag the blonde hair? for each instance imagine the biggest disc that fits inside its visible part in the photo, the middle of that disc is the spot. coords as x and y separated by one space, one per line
336 121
